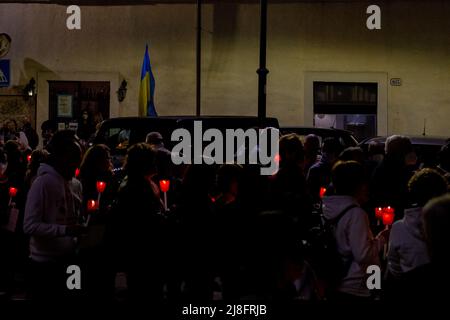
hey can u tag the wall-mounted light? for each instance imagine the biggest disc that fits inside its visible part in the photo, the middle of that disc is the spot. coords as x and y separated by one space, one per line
122 92
30 89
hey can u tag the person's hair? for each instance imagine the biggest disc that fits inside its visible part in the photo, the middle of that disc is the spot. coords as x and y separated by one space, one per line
3 156
444 156
37 157
49 125
12 147
398 146
332 145
352 153
347 177
312 144
227 174
436 215
426 184
92 161
375 148
61 142
12 121
140 161
291 144
154 138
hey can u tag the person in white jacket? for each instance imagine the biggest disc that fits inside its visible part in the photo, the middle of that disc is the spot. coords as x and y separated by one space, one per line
52 215
355 242
407 247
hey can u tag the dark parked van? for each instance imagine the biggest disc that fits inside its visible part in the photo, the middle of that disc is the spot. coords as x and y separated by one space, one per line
120 133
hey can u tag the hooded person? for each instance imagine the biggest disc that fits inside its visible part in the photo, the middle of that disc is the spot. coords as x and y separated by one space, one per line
51 216
407 246
355 243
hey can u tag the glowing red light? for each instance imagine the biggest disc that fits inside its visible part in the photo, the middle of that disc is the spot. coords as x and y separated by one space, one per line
29 158
12 192
322 192
379 213
92 205
389 210
77 173
277 158
101 186
388 218
164 185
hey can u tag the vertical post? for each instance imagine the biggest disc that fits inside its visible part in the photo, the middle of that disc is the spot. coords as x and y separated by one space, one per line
262 71
199 58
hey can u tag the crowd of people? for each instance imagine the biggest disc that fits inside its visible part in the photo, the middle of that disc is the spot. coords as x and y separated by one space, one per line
226 232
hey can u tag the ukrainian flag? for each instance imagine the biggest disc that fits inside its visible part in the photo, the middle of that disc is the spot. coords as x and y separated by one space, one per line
147 89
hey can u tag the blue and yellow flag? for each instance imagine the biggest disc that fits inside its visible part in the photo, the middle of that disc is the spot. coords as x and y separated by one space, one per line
147 89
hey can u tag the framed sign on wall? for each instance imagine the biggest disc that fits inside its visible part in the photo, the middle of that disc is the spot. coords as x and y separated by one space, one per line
64 109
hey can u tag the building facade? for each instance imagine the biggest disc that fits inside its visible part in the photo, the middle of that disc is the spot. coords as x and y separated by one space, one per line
321 57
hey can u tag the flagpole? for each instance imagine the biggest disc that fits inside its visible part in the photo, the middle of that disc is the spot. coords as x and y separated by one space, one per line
199 58
262 71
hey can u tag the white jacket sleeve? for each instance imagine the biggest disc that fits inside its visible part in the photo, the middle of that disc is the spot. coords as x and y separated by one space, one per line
364 246
33 223
393 256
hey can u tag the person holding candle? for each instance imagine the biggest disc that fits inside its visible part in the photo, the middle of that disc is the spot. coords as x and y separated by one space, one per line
196 235
312 151
135 234
436 225
389 183
98 181
407 247
6 237
429 283
287 188
229 215
355 242
52 217
97 167
320 173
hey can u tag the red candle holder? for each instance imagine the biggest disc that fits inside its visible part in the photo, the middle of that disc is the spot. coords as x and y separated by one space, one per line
379 213
12 192
164 185
388 218
322 192
101 186
389 209
92 205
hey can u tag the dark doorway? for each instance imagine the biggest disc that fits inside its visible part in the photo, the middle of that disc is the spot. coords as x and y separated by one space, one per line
79 105
347 105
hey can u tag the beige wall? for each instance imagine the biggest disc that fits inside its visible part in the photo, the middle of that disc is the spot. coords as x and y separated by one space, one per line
413 45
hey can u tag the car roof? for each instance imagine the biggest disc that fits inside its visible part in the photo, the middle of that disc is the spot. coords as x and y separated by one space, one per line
316 130
417 140
185 120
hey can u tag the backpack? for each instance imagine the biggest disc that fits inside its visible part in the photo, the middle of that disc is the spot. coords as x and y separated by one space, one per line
323 254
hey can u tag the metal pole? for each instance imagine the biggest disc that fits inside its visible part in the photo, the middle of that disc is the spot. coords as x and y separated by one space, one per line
199 58
262 71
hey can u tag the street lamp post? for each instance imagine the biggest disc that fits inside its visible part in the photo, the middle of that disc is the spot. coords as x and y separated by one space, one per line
262 70
199 58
